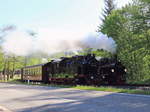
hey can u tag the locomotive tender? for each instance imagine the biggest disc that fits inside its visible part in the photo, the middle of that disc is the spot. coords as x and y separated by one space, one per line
84 70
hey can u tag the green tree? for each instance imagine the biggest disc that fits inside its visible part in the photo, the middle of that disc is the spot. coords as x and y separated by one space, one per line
129 27
102 53
109 7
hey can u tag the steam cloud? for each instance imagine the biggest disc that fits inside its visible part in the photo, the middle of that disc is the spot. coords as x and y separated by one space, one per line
99 41
22 44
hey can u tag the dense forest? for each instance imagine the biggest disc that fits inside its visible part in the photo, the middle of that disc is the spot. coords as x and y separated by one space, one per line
129 26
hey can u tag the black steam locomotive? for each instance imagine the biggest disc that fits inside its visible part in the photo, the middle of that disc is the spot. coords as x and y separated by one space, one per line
84 70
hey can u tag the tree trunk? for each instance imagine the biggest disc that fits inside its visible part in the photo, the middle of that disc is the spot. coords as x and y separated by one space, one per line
13 71
8 71
4 70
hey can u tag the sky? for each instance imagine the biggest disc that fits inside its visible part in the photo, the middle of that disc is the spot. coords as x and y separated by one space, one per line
54 19
53 14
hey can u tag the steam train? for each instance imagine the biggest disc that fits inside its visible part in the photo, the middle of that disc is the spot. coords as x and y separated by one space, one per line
83 70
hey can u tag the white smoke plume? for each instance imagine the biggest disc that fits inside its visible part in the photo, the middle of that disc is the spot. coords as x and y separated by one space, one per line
99 41
22 44
18 43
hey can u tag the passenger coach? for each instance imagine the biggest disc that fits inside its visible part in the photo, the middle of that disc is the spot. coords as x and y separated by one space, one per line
35 73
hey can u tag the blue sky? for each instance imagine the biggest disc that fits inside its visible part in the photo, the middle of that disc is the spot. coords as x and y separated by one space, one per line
59 24
49 13
62 14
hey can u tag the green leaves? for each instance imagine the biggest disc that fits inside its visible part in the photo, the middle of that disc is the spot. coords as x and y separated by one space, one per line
102 53
129 27
109 7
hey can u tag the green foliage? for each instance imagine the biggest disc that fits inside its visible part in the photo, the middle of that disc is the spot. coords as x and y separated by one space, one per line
85 51
113 89
146 1
102 53
34 61
129 27
1 60
109 7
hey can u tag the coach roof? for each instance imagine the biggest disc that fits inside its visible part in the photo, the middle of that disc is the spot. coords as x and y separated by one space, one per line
35 65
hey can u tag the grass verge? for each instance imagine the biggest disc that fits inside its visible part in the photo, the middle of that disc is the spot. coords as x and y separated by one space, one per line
101 88
113 89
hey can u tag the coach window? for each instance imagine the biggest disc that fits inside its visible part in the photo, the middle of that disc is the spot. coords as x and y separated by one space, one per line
38 70
26 71
31 71
34 71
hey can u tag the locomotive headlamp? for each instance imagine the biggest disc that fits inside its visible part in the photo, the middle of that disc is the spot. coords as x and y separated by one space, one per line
92 77
112 70
125 70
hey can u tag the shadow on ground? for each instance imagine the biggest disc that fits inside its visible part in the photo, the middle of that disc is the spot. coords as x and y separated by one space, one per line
73 102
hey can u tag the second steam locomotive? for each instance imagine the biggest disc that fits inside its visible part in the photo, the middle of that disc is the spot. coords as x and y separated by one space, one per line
83 70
